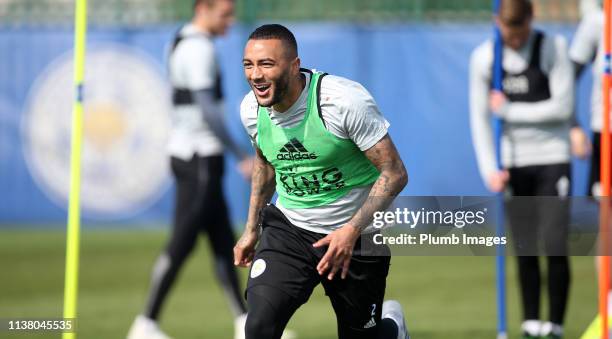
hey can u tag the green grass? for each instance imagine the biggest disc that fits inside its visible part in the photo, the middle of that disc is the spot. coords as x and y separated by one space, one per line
443 297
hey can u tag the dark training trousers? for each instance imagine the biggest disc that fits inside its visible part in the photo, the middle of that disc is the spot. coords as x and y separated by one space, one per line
200 209
283 276
536 221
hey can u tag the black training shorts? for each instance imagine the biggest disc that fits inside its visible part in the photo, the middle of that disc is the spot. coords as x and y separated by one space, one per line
286 261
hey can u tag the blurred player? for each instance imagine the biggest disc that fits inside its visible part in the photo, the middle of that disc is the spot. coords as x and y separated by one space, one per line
588 6
587 48
197 143
536 107
322 145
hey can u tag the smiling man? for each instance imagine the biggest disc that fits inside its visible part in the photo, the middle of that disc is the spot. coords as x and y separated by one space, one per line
321 144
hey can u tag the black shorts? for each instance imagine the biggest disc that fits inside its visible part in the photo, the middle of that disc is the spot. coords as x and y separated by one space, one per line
286 260
540 225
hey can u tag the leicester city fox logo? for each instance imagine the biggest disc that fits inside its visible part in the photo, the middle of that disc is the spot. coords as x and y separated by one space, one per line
125 125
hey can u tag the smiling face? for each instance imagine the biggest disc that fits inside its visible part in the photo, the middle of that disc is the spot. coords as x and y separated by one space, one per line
269 69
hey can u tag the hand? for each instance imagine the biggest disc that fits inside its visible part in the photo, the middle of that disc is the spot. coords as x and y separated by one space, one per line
497 102
581 145
498 180
245 167
339 251
244 251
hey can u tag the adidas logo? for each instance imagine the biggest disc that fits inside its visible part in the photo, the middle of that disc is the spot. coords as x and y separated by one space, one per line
370 323
294 150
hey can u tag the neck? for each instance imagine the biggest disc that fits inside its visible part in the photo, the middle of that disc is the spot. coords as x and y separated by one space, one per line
201 25
296 85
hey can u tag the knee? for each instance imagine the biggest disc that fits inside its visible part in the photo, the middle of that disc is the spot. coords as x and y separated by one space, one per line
258 326
268 313
179 251
559 266
528 262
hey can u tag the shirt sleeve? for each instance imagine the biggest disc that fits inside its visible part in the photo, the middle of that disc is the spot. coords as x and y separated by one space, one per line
362 121
561 83
196 58
216 121
584 44
248 116
480 117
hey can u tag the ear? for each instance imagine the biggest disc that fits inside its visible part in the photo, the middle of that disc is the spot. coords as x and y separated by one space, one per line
197 10
295 65
529 20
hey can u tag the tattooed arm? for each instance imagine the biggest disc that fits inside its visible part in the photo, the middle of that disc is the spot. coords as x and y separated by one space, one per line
392 179
262 190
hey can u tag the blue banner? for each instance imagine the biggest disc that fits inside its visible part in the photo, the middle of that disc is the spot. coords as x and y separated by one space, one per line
418 74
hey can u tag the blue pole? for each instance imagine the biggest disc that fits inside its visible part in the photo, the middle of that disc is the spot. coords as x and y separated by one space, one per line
500 260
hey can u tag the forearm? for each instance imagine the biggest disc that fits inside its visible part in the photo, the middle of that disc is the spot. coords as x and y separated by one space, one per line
554 109
216 122
262 190
393 178
382 194
480 126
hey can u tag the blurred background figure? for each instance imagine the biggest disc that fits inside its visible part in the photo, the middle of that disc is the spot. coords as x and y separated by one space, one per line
587 48
588 6
197 143
535 106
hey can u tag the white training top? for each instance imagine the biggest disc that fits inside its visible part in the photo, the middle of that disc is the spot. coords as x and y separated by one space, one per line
587 47
535 133
193 66
349 112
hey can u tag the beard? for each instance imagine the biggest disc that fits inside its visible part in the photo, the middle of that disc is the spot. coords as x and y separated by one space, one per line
281 86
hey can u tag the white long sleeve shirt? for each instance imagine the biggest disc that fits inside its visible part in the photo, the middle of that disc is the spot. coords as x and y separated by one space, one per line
535 133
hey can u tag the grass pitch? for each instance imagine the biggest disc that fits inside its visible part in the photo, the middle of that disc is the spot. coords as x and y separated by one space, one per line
443 297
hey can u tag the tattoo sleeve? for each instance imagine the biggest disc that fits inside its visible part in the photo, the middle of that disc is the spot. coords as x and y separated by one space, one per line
262 189
393 178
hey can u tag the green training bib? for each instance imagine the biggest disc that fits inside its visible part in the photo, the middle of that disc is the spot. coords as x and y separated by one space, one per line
313 166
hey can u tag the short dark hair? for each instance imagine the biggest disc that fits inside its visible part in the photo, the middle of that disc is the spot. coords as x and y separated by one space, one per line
515 12
206 2
280 32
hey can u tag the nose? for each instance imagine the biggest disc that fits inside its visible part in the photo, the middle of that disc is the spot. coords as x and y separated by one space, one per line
256 73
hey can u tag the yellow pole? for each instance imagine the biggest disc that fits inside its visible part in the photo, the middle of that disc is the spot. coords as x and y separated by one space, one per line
73 231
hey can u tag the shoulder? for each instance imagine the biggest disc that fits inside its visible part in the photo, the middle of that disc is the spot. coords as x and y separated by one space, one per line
483 53
593 20
481 58
343 92
195 45
484 49
554 42
554 51
348 106
248 110
590 28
